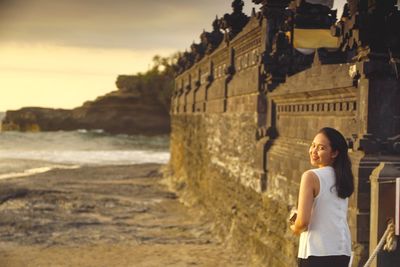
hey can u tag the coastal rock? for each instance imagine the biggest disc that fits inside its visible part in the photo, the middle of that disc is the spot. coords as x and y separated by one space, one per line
118 112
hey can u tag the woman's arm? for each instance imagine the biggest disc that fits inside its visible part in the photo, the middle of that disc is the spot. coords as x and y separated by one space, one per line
309 187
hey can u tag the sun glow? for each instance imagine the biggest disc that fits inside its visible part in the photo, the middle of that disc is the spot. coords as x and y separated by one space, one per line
64 77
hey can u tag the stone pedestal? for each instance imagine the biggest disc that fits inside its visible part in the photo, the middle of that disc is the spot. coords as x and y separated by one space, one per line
383 195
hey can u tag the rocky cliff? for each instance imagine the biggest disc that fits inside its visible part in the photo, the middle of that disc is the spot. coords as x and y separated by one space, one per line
139 106
2 114
116 112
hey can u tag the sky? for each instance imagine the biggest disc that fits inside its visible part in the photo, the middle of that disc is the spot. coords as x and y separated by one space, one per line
61 53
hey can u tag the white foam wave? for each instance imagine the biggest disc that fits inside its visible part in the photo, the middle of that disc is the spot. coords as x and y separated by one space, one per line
103 157
33 171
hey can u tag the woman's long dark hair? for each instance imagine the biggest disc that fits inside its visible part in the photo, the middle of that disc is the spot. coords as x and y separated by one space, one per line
342 164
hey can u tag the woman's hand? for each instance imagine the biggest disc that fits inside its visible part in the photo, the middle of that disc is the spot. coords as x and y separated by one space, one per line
292 221
296 230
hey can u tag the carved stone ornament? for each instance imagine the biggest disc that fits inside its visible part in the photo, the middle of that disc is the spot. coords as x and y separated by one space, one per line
211 40
233 23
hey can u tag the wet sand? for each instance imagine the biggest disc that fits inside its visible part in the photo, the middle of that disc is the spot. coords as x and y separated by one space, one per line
103 216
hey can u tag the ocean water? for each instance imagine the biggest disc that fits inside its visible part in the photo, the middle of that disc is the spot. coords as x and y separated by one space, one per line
24 154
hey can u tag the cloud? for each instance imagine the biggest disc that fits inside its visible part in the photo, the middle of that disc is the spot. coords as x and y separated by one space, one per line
48 59
132 24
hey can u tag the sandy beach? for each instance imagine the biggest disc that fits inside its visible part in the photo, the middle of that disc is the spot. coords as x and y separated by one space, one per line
103 216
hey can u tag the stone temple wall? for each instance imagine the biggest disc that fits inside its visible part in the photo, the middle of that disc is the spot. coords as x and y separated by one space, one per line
239 150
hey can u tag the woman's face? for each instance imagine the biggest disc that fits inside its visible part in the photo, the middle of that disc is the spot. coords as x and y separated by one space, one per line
321 153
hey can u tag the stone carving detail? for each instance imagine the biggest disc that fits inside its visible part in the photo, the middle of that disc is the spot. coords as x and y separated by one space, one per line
211 40
247 60
247 49
185 61
280 59
349 106
393 144
360 30
277 63
276 14
314 16
197 50
276 58
370 144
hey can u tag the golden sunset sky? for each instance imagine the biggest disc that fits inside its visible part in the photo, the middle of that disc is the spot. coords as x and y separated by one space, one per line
61 53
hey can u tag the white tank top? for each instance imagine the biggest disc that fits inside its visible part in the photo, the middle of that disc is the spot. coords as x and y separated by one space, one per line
328 233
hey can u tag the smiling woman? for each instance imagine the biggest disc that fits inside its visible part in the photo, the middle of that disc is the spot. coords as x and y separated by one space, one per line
323 202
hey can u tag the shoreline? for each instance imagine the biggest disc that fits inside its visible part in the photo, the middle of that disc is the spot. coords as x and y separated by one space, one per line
34 171
114 215
15 167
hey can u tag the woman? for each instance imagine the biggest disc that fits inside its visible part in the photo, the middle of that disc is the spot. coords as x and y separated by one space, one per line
322 205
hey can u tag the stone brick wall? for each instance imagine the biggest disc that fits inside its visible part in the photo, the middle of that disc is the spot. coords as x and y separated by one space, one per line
213 158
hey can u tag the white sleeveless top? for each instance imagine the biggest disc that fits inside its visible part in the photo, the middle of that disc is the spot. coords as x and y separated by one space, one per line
328 233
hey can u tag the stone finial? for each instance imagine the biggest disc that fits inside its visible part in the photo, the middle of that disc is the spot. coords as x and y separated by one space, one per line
197 51
186 60
237 6
233 23
211 40
316 61
216 24
253 12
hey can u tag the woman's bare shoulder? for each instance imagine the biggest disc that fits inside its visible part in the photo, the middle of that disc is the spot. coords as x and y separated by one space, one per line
309 177
309 174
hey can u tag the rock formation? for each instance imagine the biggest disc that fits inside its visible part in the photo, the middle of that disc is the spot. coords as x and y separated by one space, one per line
133 109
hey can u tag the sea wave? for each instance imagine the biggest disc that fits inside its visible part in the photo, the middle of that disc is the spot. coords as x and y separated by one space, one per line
105 157
33 171
24 154
81 140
